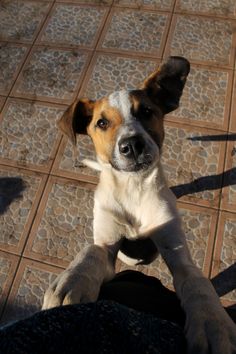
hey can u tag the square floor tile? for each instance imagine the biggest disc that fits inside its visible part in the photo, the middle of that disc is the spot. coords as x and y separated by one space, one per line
29 136
2 101
21 20
225 248
12 57
225 8
228 199
131 30
63 225
20 192
109 73
8 265
71 24
146 4
206 98
26 296
199 225
52 74
193 161
203 40
69 164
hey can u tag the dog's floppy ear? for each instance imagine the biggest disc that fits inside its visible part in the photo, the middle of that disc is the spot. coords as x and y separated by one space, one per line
76 118
165 86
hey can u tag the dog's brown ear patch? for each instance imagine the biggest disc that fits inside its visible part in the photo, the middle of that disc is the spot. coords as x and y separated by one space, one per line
76 118
165 86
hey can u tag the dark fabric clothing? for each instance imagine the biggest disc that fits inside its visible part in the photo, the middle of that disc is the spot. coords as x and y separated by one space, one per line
135 314
101 327
144 293
147 294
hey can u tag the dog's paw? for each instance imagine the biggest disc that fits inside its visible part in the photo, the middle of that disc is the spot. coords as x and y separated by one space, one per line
72 286
208 328
210 331
81 281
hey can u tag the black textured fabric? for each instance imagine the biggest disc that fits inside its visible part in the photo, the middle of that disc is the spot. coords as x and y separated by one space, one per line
102 327
144 293
134 314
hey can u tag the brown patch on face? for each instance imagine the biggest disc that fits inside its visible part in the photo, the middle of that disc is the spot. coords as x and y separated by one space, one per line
76 119
149 115
104 139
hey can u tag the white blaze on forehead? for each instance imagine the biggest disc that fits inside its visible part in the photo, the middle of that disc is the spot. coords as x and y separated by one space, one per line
121 101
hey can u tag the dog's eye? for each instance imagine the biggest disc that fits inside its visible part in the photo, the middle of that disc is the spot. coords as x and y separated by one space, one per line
103 123
145 111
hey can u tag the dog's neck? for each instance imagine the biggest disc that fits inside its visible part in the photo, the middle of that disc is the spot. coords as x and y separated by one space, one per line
142 180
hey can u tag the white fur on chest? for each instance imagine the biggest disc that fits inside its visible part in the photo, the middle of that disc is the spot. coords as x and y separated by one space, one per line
134 200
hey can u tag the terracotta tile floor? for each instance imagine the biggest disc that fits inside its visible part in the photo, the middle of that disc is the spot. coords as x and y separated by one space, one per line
53 51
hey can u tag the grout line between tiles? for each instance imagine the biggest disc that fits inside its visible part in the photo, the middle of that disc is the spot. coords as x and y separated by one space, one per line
214 241
43 262
151 9
169 29
194 125
38 100
46 262
231 96
74 178
199 128
205 15
198 204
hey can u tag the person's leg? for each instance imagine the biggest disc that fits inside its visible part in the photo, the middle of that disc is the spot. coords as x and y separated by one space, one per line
147 294
143 293
93 328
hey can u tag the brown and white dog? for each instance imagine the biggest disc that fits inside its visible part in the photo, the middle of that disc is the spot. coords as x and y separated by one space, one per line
135 212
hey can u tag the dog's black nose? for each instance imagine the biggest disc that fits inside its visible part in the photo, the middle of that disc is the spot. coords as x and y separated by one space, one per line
132 147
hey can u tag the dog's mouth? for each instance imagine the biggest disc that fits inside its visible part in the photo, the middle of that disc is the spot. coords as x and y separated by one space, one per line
134 166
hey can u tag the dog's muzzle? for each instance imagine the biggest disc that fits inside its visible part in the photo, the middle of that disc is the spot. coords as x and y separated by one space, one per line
132 154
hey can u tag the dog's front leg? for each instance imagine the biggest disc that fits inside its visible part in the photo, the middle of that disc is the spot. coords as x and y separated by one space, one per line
82 280
208 327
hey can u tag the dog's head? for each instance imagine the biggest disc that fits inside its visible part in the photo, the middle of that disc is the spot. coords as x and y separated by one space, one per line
127 126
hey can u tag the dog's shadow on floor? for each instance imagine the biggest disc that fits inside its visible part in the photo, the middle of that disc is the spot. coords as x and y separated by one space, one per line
225 281
206 183
211 182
